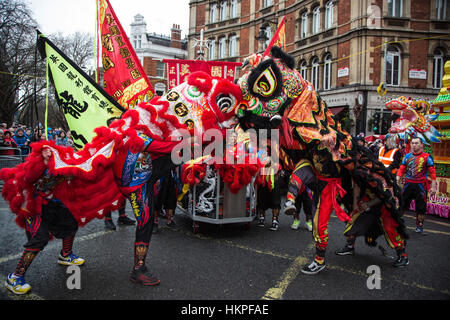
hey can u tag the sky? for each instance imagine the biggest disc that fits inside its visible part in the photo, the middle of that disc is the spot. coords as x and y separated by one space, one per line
70 16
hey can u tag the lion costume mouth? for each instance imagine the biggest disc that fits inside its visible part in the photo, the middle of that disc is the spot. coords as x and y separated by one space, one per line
406 119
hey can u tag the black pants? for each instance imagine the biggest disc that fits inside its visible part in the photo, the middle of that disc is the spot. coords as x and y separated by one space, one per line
167 196
267 199
418 193
143 202
55 219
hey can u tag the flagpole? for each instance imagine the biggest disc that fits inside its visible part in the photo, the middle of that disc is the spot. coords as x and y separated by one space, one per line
34 106
97 19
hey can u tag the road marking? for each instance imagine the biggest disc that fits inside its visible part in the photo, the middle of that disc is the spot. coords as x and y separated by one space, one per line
276 293
431 231
54 244
431 221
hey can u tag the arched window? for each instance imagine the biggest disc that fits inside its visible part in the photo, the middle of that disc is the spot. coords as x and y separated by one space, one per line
327 72
232 46
223 10
329 15
441 9
316 20
304 69
212 49
315 72
393 65
304 25
233 8
222 48
213 13
438 68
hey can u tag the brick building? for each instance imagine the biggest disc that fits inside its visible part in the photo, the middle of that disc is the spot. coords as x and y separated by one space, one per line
345 48
152 48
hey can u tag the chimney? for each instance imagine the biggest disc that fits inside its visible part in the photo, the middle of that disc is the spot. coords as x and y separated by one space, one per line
175 36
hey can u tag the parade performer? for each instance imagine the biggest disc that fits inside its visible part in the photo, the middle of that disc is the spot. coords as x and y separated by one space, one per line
389 154
52 219
417 166
122 219
125 159
370 219
166 198
278 97
302 189
137 183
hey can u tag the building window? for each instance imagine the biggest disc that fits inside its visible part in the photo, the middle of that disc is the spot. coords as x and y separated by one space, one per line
222 48
393 61
329 15
213 13
160 68
438 68
233 8
304 70
316 20
304 26
223 10
232 46
441 9
315 73
137 42
395 8
327 72
267 3
212 49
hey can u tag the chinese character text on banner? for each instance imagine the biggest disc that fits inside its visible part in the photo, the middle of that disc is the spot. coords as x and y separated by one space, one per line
124 77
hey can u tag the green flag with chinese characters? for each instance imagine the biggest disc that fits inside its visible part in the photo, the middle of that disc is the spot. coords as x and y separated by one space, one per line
85 104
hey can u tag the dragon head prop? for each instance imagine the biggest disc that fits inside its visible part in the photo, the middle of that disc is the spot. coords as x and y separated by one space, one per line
414 119
276 96
268 85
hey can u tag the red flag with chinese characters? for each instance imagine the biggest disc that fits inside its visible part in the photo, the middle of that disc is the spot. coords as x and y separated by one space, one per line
124 77
180 69
279 38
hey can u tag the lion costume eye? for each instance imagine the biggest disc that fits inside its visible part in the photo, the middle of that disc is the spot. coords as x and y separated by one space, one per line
225 102
265 81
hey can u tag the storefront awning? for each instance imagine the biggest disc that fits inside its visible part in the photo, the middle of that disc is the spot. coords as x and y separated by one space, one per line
336 110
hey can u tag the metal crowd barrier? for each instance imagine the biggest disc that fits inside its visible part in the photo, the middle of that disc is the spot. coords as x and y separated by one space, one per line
9 161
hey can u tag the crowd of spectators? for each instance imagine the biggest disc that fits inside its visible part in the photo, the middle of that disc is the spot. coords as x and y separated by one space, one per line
19 137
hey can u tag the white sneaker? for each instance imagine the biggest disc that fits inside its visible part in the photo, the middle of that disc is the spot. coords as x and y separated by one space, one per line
17 285
313 268
274 226
296 224
308 225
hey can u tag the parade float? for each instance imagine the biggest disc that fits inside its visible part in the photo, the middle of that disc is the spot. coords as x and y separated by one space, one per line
439 203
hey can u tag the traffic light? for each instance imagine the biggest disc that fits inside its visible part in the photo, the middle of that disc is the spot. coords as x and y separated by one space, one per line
376 123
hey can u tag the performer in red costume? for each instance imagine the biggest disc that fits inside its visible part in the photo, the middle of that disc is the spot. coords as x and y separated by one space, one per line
417 166
54 220
138 173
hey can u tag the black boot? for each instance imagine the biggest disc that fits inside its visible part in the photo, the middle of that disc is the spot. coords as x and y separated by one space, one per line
402 260
109 224
125 221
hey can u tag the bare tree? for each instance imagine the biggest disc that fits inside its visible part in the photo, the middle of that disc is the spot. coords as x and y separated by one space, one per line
22 76
17 65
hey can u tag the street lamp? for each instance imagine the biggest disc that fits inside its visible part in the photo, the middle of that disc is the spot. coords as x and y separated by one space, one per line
262 35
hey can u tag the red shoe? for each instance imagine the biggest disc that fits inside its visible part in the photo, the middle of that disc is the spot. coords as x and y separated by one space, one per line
142 276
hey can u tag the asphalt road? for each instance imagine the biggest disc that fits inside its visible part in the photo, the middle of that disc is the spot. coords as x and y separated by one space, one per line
231 262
